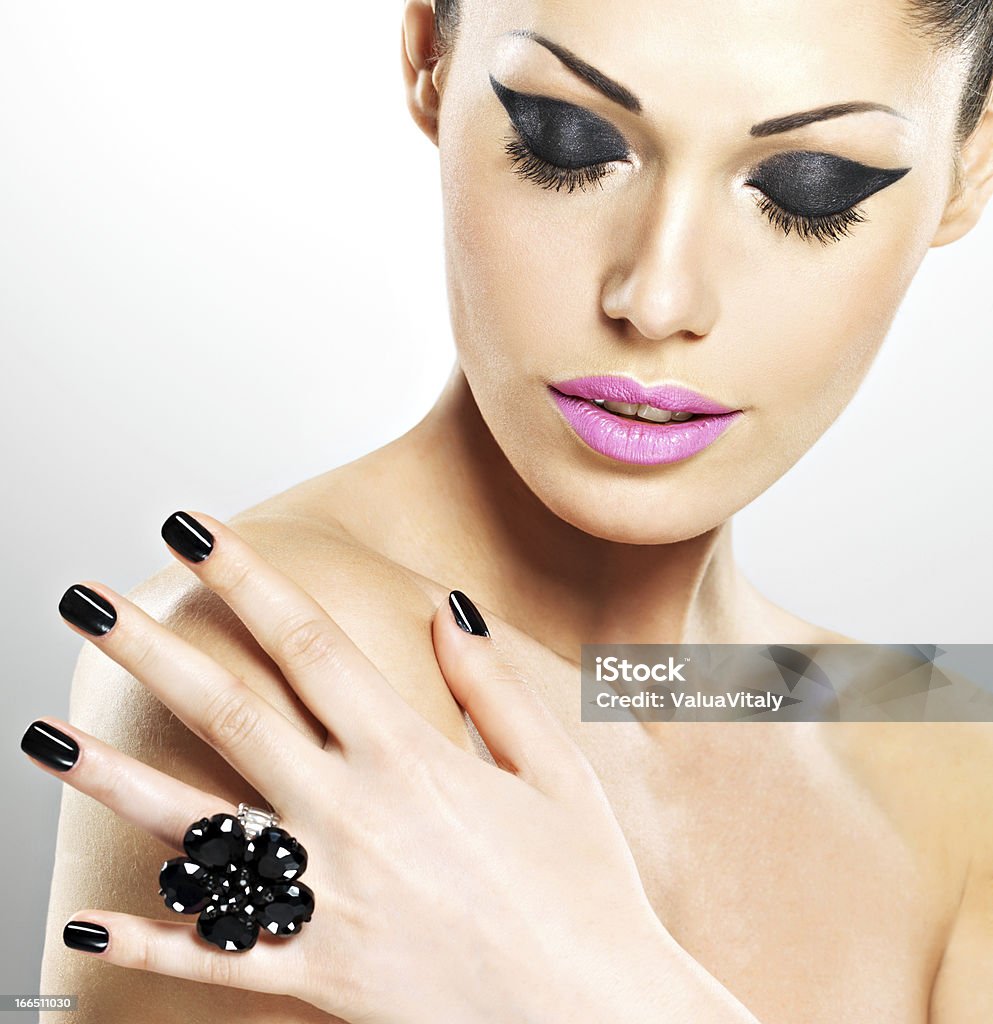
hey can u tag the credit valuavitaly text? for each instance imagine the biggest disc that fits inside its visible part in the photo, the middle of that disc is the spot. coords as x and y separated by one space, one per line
612 669
676 699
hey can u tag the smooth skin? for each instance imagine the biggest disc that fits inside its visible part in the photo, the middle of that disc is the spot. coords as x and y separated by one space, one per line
823 873
558 924
557 928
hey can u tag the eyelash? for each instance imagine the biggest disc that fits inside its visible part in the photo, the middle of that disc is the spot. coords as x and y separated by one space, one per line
534 168
826 229
531 167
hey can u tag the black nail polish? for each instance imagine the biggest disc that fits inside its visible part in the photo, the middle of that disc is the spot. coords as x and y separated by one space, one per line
467 614
187 537
90 938
51 746
86 609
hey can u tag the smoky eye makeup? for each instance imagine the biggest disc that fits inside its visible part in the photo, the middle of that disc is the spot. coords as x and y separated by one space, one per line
813 184
560 133
562 146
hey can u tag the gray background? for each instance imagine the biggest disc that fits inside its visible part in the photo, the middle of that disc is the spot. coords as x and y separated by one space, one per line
218 225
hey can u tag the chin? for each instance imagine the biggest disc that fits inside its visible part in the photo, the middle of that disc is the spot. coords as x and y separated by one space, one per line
626 528
628 512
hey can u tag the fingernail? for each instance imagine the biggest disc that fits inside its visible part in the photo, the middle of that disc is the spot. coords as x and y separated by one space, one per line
49 745
467 614
86 609
187 537
83 935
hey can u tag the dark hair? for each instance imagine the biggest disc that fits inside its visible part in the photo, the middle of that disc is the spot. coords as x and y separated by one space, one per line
966 24
446 23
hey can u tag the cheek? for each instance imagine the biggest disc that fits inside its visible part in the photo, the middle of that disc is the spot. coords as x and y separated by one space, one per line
523 268
825 311
822 320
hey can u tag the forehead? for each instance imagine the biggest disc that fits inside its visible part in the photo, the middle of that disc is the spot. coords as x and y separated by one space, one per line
726 60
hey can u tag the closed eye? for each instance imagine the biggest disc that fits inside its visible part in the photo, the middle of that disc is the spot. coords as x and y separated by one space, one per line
818 194
561 133
814 184
557 145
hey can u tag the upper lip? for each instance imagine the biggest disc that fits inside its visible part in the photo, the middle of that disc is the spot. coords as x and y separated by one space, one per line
624 389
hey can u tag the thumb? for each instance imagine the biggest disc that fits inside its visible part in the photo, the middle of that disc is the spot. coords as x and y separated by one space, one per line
516 725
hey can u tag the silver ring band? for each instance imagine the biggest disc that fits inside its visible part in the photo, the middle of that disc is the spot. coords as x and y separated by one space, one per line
254 819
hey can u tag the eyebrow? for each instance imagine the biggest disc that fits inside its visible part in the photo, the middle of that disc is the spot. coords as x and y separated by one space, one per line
579 67
620 94
791 122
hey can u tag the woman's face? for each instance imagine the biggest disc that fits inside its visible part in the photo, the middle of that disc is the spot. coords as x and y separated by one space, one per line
666 259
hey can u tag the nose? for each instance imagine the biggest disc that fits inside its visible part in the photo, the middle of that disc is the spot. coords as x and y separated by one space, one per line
662 280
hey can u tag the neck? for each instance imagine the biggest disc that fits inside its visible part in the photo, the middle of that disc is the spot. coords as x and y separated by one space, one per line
488 535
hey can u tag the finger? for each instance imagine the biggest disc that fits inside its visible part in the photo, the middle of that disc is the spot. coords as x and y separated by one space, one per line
516 725
253 736
174 949
329 673
161 805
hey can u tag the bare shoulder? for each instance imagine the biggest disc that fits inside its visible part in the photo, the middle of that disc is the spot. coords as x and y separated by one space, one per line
383 607
933 783
764 621
103 862
962 991
932 778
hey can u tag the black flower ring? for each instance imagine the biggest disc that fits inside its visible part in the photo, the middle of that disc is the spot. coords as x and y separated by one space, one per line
237 882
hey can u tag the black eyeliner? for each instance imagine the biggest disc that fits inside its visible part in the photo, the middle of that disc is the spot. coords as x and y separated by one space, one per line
562 133
815 184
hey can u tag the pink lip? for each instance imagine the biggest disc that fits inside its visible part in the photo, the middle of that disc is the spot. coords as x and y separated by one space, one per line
633 441
623 389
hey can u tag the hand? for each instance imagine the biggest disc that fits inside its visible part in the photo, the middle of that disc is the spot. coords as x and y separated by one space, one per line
445 889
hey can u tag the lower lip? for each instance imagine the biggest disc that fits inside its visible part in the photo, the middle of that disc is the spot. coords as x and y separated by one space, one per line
638 442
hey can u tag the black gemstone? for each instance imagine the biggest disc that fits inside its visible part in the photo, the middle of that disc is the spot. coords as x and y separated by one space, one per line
275 856
238 891
292 904
185 885
238 884
217 842
230 932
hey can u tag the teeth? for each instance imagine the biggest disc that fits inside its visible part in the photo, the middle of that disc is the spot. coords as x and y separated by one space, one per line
643 412
649 412
625 408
